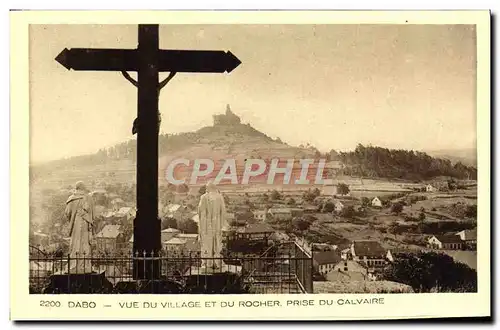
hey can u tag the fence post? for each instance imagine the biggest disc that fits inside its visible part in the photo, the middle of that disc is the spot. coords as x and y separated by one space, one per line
69 272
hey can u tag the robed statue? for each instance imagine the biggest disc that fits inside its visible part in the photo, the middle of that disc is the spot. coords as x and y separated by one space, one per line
212 222
80 213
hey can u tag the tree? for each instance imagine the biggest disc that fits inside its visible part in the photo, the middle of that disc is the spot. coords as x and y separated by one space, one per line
397 208
169 223
301 224
429 271
275 195
316 192
421 216
309 196
365 201
471 211
348 212
188 226
343 189
202 190
183 188
290 201
328 207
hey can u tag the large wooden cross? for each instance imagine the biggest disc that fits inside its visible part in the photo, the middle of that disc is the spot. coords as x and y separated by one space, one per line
147 60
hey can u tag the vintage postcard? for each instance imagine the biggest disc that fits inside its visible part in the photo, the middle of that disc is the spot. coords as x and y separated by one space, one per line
250 165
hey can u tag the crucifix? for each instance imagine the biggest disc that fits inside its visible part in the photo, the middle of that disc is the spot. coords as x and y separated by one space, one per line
147 60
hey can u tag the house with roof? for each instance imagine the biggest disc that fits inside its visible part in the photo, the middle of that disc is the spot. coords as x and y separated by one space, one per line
260 215
376 202
347 270
125 214
430 188
280 213
255 231
168 233
325 261
175 245
370 253
173 211
469 236
108 238
188 237
338 206
446 242
192 248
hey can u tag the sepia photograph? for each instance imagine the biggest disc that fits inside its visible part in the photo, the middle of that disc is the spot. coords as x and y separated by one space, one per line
261 159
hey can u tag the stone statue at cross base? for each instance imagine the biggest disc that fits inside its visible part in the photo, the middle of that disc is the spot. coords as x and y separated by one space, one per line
80 214
212 222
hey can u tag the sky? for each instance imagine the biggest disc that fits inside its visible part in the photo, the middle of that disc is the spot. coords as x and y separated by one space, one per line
333 86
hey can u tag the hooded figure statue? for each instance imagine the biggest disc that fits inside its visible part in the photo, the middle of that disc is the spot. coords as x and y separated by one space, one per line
212 215
80 213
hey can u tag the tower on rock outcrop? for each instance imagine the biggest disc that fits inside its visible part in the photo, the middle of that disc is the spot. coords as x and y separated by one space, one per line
227 119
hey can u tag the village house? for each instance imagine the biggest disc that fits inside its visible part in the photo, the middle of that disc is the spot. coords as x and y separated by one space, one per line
469 236
124 214
260 215
347 270
279 213
255 231
108 238
174 245
430 188
188 237
192 248
325 261
376 202
445 242
370 253
173 211
168 233
339 206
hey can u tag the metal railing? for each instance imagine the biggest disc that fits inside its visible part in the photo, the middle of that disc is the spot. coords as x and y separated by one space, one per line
283 269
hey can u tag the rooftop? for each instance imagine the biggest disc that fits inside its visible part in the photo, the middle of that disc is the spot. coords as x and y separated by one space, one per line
175 241
109 231
326 257
368 248
170 230
257 228
187 235
449 238
470 234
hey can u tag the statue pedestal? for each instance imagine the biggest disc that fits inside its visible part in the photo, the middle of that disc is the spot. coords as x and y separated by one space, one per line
148 287
225 280
84 283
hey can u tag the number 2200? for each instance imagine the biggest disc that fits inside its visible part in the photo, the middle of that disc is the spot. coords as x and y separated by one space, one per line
50 303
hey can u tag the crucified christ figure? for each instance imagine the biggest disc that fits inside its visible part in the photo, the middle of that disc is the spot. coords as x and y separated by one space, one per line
160 86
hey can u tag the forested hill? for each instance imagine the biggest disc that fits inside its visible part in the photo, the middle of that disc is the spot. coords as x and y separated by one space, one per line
369 161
